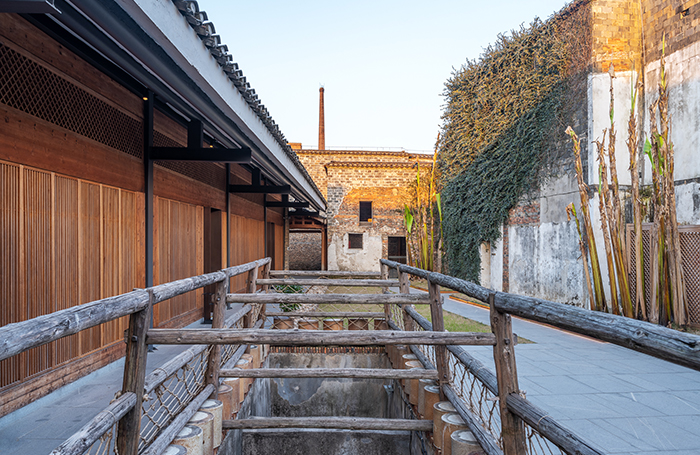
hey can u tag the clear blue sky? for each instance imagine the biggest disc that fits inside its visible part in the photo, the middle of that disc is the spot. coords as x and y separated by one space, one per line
383 63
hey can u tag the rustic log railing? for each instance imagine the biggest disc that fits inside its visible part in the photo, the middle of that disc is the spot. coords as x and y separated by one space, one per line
503 421
519 420
125 412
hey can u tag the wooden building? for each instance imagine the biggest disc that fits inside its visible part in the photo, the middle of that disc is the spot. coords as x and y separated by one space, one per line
132 152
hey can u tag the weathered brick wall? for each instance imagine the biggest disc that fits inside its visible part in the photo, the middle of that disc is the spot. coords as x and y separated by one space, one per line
304 251
678 20
616 34
348 177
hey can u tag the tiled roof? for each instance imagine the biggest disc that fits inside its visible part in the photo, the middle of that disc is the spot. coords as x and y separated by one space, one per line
204 28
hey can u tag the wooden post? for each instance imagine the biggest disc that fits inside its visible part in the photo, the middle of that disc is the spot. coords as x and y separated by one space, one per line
385 290
405 288
129 428
265 289
513 431
250 289
218 317
438 326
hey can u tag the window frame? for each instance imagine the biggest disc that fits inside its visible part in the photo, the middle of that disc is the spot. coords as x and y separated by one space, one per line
355 236
369 218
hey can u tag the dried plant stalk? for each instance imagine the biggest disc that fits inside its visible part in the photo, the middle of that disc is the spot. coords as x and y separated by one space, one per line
633 148
571 211
603 201
615 214
600 303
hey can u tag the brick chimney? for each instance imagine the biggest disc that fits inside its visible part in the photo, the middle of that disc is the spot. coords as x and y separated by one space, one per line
321 122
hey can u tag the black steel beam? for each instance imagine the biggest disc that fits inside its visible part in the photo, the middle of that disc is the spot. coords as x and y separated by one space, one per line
28 7
279 189
222 155
297 205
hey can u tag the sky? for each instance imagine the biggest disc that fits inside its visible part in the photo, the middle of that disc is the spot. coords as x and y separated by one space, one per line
383 63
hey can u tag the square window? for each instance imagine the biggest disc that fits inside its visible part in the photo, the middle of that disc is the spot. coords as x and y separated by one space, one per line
397 249
365 211
355 241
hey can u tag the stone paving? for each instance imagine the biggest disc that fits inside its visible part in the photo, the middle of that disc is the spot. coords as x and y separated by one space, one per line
622 401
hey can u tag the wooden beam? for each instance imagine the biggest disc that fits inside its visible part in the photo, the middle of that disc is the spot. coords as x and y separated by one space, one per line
355 299
260 189
312 282
326 314
326 273
436 315
209 154
128 430
20 336
358 373
538 419
653 339
339 423
512 428
81 441
218 322
315 337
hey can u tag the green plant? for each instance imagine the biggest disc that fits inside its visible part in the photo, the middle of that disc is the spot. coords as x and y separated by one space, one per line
425 214
289 289
501 125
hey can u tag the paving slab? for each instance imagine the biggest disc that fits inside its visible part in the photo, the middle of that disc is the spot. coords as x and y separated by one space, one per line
624 401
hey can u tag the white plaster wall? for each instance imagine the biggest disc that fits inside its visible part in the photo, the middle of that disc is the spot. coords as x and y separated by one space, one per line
496 275
544 262
599 120
683 79
340 257
485 257
688 203
556 194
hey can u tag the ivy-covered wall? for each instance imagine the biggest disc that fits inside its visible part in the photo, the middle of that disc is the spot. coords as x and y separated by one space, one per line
503 125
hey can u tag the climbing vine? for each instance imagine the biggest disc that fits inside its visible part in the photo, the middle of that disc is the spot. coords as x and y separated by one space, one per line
502 128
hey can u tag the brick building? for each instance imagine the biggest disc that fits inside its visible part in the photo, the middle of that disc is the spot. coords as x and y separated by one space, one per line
366 192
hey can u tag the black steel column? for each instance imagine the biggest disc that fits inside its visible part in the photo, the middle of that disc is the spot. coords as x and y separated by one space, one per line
228 215
148 183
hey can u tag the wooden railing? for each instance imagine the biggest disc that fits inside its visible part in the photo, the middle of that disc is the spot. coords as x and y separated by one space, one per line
125 412
517 413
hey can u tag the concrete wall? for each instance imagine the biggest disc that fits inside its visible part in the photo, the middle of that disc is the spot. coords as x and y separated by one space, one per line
293 397
304 251
323 397
325 442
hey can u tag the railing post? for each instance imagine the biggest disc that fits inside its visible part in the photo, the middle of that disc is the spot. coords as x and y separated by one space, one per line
513 431
129 428
218 317
249 319
385 290
438 326
265 289
405 288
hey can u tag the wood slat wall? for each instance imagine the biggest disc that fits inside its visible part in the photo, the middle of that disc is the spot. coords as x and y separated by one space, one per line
178 253
247 244
65 242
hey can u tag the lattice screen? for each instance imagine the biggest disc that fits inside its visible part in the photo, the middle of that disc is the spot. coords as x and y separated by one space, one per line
690 249
29 87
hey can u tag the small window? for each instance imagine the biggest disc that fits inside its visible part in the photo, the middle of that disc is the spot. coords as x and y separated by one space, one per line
365 211
397 249
355 241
